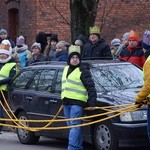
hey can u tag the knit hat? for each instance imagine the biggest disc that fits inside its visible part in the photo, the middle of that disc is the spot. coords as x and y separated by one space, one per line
146 40
20 40
82 38
126 36
61 44
4 49
133 35
115 42
6 42
74 50
78 42
94 30
54 37
36 45
3 31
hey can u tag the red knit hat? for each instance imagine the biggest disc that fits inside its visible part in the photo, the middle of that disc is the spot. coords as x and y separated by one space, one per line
133 36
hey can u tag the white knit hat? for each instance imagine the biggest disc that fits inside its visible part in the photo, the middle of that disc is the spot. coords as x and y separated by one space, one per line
4 49
6 42
78 42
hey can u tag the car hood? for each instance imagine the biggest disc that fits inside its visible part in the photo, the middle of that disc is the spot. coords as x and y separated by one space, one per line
126 96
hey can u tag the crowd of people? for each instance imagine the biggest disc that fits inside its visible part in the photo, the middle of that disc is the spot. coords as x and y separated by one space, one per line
78 88
47 47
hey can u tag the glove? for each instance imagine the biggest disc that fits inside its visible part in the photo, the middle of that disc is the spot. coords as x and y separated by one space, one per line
144 101
138 104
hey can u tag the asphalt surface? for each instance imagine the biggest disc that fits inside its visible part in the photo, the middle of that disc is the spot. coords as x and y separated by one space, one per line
9 141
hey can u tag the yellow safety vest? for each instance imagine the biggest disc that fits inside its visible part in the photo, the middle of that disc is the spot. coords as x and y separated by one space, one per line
72 87
148 59
4 73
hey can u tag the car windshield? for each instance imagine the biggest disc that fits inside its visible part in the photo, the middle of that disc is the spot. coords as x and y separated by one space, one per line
116 77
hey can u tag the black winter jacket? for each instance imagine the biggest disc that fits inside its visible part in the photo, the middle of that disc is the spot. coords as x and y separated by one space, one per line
98 50
89 85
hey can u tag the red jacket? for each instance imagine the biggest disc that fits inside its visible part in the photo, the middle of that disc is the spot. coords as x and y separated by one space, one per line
135 56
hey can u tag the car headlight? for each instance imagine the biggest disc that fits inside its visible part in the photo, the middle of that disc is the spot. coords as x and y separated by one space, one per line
134 116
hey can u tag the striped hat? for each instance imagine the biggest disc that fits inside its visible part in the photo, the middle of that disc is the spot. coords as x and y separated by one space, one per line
146 40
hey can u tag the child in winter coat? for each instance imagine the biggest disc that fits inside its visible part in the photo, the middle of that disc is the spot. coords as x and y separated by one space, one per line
61 53
22 50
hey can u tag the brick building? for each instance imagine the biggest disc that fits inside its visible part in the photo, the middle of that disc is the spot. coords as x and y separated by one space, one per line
28 17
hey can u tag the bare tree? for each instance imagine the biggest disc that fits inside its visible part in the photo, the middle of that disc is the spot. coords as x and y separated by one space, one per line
83 14
105 12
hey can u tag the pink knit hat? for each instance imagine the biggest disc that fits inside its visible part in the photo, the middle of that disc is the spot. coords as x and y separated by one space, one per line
20 40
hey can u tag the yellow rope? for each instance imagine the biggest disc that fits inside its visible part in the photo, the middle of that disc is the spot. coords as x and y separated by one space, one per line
112 111
79 118
79 125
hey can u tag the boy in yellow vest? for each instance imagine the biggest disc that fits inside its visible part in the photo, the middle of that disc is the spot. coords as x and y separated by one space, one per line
78 91
7 71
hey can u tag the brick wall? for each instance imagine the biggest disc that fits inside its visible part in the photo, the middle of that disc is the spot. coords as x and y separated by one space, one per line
124 16
46 16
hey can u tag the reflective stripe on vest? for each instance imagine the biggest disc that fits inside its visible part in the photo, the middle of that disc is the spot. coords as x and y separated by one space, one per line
4 73
148 59
72 87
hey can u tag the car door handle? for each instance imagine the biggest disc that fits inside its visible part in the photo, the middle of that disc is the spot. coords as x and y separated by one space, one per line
53 101
29 98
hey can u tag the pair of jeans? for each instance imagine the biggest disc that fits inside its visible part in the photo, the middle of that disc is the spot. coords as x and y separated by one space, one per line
148 122
75 134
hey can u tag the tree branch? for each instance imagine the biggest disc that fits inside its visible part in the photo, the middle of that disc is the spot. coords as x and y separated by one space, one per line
60 13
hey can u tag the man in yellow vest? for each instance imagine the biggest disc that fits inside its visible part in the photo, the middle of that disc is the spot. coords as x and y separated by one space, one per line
144 94
78 91
7 72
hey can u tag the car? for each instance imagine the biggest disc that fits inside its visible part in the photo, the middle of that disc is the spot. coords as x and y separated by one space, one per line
34 94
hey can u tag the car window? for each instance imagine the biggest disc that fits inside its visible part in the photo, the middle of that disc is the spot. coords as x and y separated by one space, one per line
22 79
116 77
46 80
34 81
58 82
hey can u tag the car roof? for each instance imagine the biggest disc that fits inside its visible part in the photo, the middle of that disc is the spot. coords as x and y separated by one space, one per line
46 64
60 64
104 61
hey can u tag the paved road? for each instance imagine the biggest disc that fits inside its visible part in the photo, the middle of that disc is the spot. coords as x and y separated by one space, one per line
9 141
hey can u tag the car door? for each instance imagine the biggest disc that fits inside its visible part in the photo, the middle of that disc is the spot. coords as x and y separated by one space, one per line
17 88
57 97
44 103
38 95
49 100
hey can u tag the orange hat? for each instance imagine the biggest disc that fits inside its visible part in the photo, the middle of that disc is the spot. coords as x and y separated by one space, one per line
133 36
5 49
